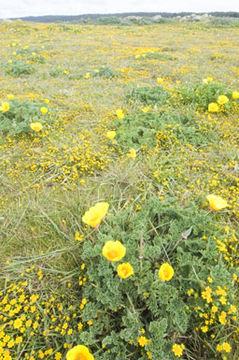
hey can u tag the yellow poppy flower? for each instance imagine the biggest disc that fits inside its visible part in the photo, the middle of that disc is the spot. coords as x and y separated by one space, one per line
44 110
95 214
160 80
213 107
4 107
235 95
79 352
222 99
216 202
166 272
111 134
10 96
36 126
125 270
120 114
113 250
132 154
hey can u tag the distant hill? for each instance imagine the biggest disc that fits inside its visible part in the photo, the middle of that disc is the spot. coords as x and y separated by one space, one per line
94 17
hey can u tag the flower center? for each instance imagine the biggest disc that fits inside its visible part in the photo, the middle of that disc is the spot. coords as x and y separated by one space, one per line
166 273
112 254
124 272
80 357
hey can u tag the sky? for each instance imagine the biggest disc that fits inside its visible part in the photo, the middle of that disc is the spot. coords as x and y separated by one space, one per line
20 8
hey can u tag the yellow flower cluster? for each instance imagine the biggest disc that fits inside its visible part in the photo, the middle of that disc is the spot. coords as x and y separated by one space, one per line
23 314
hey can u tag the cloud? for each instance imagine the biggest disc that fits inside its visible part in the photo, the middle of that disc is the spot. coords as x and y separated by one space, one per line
19 8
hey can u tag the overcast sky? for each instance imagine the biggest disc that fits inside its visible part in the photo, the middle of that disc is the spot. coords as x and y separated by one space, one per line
19 8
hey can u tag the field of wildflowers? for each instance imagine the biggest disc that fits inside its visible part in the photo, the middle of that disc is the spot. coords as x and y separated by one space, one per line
119 192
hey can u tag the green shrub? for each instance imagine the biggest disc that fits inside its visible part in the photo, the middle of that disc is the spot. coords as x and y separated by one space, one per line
143 129
26 51
20 115
19 68
148 95
106 72
156 55
201 95
37 59
142 305
55 72
109 20
93 306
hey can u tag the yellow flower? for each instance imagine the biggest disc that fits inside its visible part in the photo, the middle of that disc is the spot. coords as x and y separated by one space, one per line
146 108
18 340
222 99
213 107
223 300
87 75
78 236
233 309
10 96
44 110
36 126
178 349
207 294
216 202
80 326
207 80
125 270
142 340
132 154
204 329
95 214
17 323
113 250
222 318
120 114
79 352
166 272
5 107
226 347
235 95
160 80
190 292
111 134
